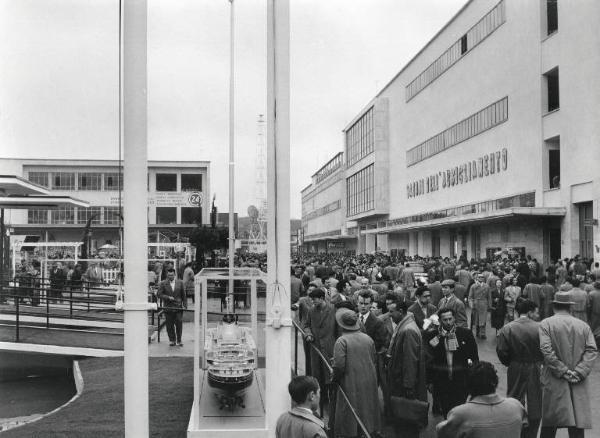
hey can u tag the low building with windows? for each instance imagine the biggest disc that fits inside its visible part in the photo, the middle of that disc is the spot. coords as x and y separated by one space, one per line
486 141
178 199
324 224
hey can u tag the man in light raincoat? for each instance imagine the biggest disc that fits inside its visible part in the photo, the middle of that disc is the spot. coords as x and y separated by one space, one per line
569 351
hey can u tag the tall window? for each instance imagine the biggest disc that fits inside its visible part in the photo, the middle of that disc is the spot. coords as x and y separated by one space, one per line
37 216
476 34
551 16
111 215
89 181
166 215
553 148
360 191
552 90
63 181
473 125
40 178
166 182
191 182
63 215
360 138
83 214
191 215
113 181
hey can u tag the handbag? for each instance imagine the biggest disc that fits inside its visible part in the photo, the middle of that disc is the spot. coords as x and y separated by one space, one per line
410 410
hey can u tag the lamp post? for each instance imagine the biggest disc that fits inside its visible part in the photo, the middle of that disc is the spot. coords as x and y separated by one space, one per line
231 300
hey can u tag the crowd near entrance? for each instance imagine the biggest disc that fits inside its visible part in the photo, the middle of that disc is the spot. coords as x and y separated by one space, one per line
400 346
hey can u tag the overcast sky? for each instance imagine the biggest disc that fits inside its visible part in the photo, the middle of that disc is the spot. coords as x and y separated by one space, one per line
59 89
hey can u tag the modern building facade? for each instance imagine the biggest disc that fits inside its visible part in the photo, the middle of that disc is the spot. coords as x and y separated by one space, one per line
178 199
487 140
324 223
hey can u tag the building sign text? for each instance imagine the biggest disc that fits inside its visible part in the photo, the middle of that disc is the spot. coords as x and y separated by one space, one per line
489 164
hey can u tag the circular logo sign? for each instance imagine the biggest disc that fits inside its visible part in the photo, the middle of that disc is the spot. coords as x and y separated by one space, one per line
196 198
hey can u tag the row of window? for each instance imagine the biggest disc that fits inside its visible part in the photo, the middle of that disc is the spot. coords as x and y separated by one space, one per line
360 138
97 181
323 210
473 125
78 181
107 215
329 168
360 191
72 215
189 215
522 200
484 27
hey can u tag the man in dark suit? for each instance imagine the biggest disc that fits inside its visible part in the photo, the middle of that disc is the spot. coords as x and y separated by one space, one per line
172 293
454 350
296 287
391 303
58 279
374 327
320 330
422 308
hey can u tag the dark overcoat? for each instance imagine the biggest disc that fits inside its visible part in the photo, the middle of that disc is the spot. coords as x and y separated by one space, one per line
354 370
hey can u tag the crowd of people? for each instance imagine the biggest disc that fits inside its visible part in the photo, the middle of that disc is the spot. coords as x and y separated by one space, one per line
406 328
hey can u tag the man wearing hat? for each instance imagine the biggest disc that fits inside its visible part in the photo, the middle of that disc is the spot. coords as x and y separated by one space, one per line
569 351
354 370
450 301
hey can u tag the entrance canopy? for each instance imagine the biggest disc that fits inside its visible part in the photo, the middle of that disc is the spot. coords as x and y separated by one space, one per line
390 226
14 185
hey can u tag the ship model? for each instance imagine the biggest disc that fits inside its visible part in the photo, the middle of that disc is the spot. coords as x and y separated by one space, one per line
230 361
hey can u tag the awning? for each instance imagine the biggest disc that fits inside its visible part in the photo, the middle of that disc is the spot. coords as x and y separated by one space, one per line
506 213
320 238
14 185
28 201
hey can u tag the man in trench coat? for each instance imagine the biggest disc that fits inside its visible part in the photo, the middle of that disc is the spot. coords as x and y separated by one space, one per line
354 371
569 351
480 299
320 330
518 347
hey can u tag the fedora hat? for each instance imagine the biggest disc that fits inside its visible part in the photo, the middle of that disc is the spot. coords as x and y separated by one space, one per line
562 298
347 319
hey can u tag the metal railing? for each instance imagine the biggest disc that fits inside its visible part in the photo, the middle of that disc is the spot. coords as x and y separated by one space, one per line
314 350
36 297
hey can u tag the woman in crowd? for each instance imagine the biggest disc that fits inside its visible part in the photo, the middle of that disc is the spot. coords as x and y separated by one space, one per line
498 313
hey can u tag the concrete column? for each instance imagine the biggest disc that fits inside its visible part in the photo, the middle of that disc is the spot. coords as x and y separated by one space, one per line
361 244
596 216
383 242
413 244
134 130
370 243
278 314
445 243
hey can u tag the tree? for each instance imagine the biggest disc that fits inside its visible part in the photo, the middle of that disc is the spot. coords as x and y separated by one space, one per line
207 239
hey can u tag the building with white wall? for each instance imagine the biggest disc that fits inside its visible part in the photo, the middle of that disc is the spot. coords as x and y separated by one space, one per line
487 139
324 224
178 198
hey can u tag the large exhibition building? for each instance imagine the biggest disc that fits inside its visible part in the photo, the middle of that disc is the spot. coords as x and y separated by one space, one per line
177 199
487 140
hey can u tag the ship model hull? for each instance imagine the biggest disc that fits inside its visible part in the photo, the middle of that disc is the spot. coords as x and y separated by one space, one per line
230 362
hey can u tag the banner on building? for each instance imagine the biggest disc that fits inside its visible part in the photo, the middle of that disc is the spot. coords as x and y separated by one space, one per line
170 199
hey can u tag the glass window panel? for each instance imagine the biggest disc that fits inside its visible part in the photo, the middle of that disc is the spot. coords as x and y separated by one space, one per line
40 178
166 182
89 181
191 182
113 181
166 215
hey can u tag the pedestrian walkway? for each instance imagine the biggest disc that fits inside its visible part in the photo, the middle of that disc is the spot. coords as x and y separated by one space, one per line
163 349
